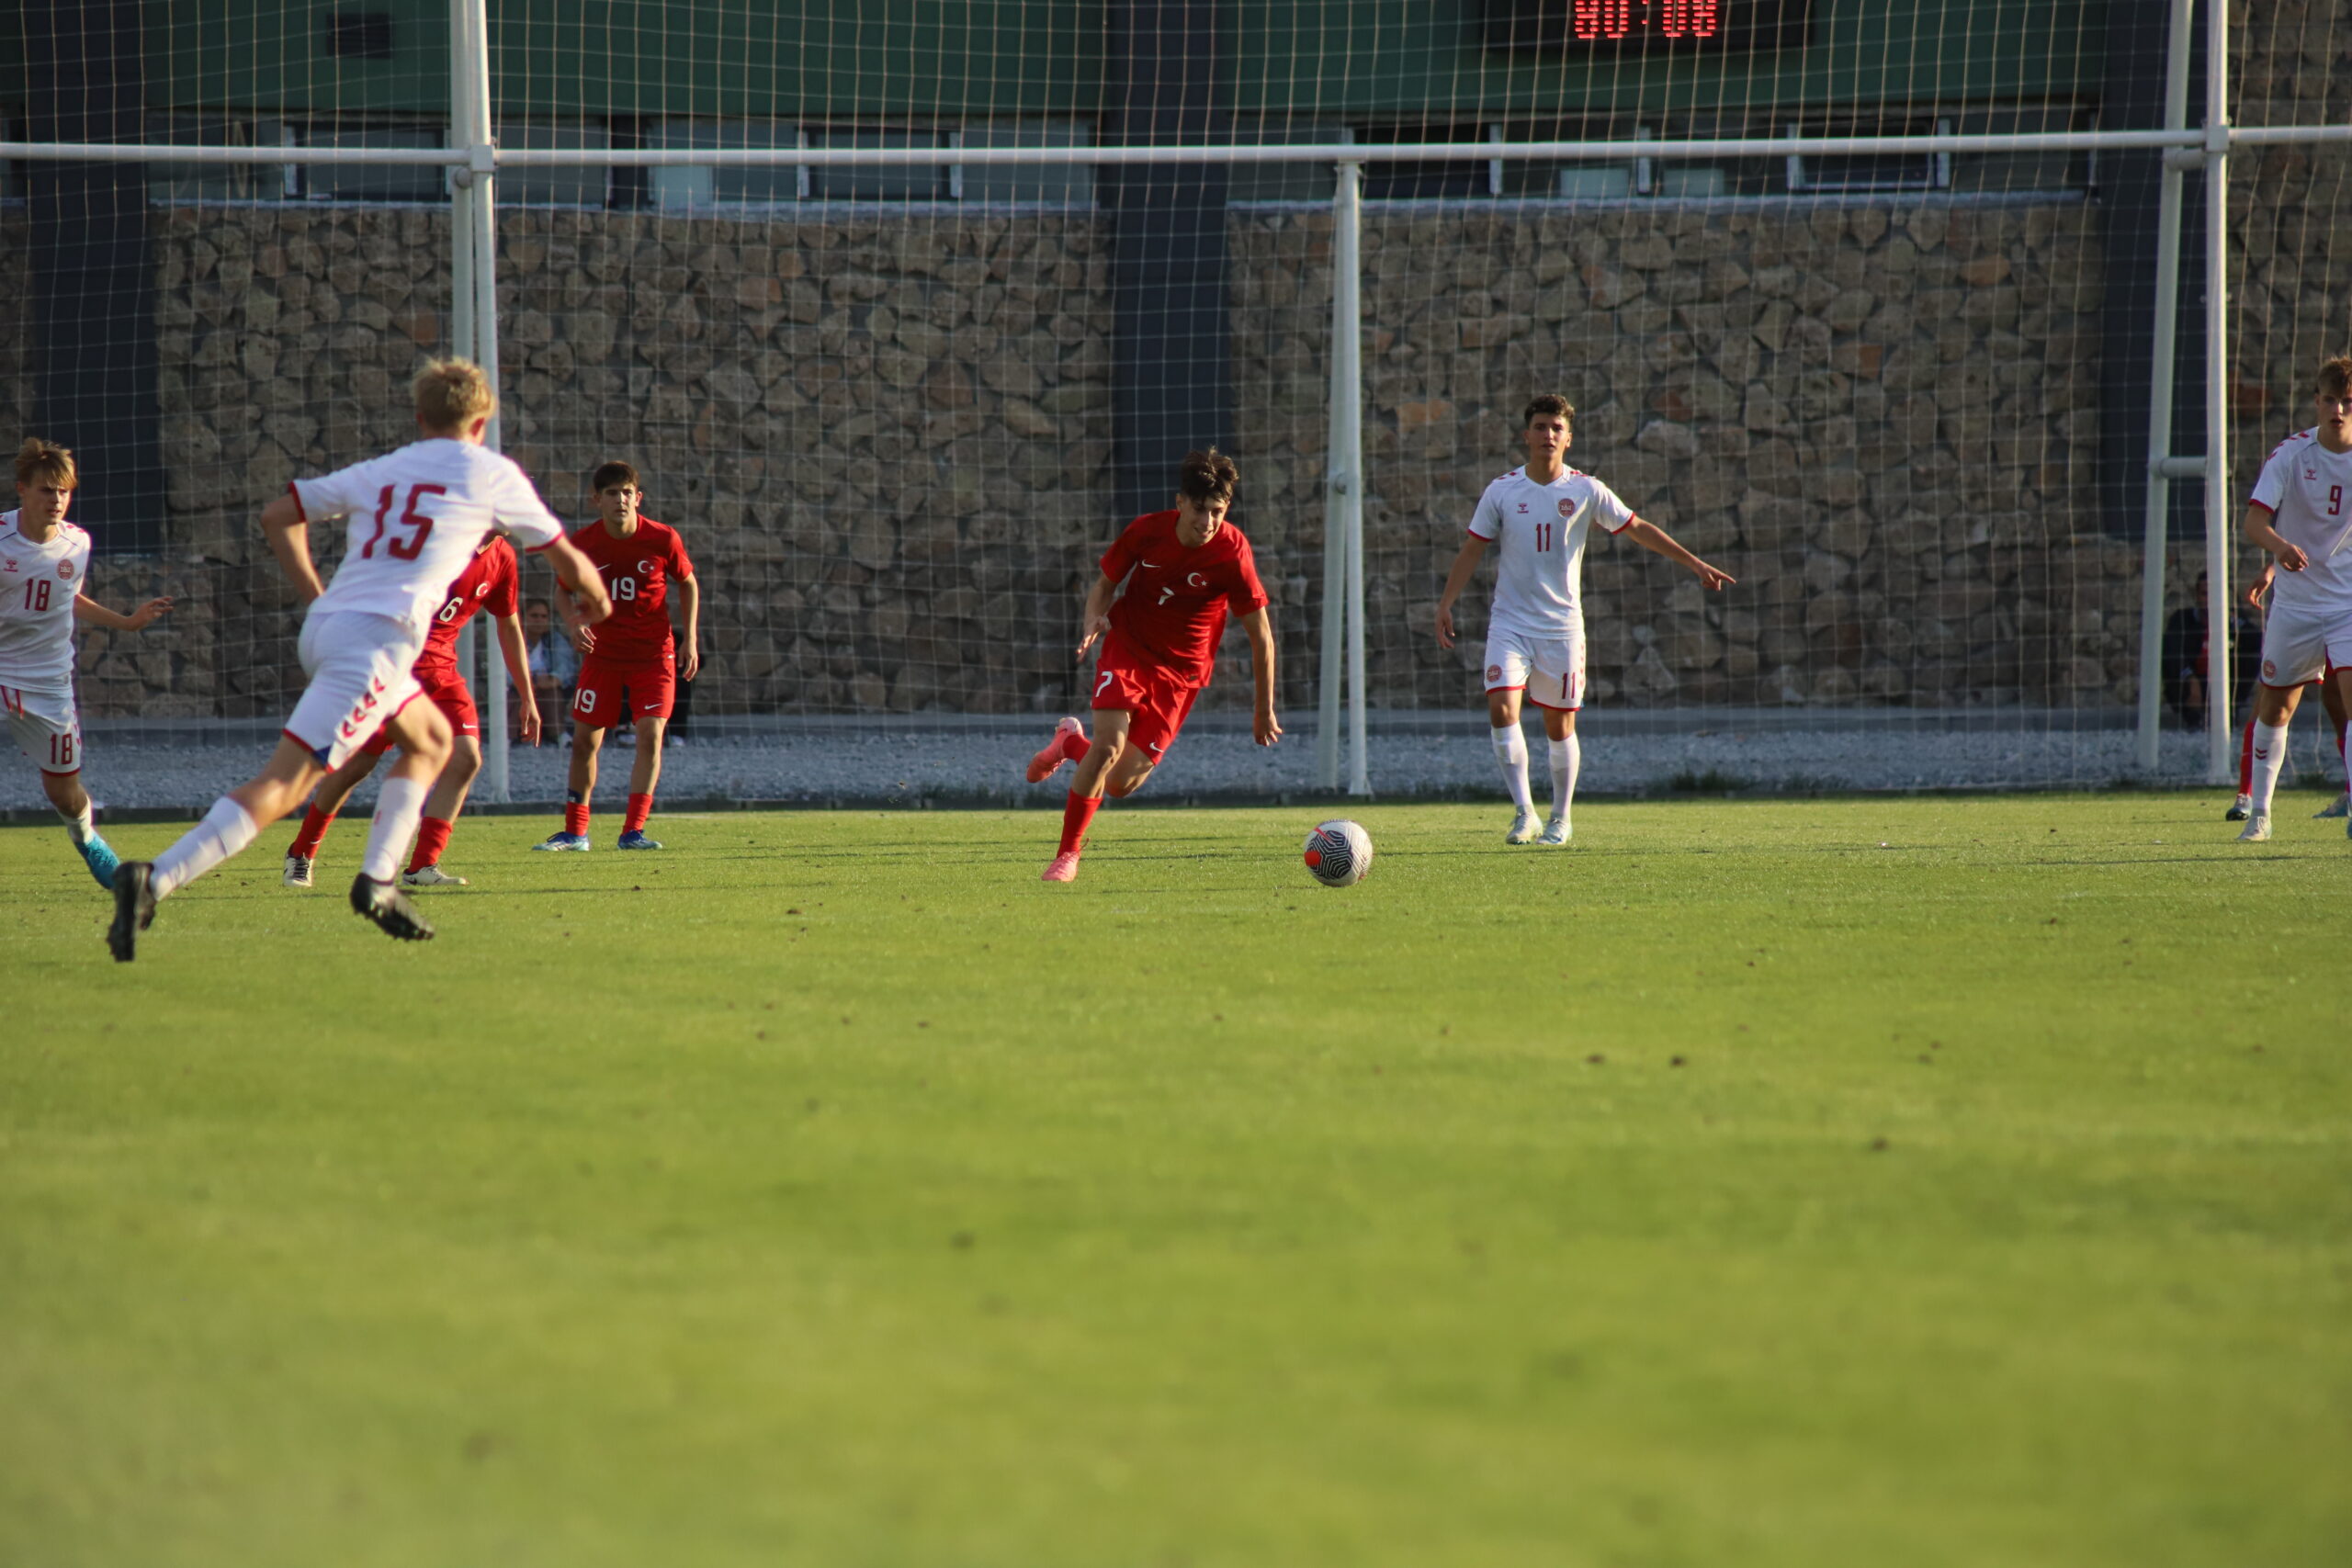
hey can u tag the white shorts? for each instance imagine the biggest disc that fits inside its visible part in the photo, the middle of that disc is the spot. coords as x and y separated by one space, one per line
1549 669
2300 645
363 671
46 727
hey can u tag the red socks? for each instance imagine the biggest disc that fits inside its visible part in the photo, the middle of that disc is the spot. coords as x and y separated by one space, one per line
640 806
575 818
432 838
1074 746
1078 816
314 828
2245 761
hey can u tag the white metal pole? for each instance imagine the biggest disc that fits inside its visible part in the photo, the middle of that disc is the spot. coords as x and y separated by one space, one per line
2219 726
1338 480
463 133
474 273
1347 408
2161 364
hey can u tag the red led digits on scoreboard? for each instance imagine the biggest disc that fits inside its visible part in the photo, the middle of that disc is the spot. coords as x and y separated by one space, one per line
1688 18
1612 19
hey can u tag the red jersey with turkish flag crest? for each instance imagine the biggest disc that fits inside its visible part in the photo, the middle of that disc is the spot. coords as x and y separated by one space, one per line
638 570
491 582
1173 611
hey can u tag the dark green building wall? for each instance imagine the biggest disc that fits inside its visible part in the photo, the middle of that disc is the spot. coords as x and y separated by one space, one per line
1369 61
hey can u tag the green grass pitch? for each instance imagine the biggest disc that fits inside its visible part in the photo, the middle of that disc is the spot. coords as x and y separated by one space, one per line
1884 1182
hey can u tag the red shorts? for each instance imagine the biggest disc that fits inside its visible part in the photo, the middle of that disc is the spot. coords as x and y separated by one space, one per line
445 690
620 691
1156 700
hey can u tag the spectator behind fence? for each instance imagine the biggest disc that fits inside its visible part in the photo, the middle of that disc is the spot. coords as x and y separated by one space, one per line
555 663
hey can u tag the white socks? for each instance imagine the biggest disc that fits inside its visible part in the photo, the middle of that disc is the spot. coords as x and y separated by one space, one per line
2269 754
398 806
1568 759
226 830
1511 750
79 824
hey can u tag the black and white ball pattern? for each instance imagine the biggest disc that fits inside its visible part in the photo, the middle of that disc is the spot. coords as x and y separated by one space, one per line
1338 853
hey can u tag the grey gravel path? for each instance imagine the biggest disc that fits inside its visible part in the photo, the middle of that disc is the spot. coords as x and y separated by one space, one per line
1216 760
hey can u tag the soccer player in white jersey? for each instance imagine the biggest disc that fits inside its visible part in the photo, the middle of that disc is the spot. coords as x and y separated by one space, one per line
1543 513
2301 513
44 565
417 515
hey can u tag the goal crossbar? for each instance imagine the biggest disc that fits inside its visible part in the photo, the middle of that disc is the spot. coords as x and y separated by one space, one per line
476 157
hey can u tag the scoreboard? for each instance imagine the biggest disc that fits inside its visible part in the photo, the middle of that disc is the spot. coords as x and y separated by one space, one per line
1648 27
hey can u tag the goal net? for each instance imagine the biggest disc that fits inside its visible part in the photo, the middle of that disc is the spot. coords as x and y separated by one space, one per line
902 311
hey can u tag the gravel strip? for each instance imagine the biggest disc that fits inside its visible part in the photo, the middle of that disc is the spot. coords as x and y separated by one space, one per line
985 764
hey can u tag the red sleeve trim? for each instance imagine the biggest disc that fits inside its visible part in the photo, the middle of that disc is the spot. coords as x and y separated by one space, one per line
534 549
1631 518
2264 505
295 490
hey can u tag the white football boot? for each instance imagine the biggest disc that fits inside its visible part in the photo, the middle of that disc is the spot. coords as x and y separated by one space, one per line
2257 830
297 871
1522 829
1556 832
430 876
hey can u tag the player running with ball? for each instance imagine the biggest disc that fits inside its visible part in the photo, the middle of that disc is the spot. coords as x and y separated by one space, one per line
44 563
417 517
2301 512
1543 513
1183 570
491 581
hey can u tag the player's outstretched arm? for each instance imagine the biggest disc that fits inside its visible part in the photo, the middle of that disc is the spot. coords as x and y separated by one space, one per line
1657 541
1465 561
2263 536
91 613
1259 626
1096 617
289 541
687 618
577 574
517 654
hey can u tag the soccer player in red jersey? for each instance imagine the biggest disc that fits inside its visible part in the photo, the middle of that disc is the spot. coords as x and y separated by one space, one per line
628 668
1183 570
491 582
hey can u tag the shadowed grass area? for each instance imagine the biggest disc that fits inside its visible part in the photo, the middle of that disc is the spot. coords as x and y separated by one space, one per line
1906 1181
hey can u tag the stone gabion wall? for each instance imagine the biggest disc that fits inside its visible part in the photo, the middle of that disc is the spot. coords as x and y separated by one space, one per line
885 440
1880 419
887 436
2290 64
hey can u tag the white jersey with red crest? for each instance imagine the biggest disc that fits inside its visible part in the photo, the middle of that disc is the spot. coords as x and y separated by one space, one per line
417 516
38 585
1539 572
2308 490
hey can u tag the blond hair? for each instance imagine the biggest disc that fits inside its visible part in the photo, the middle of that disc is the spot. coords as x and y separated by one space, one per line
451 394
40 459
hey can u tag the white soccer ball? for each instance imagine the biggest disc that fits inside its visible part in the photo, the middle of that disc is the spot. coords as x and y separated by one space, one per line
1338 853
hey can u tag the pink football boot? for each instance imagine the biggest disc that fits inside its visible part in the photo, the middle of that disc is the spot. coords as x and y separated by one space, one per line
1066 746
1064 869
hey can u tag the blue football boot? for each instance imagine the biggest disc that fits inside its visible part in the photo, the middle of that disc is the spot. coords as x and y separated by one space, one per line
560 841
635 839
99 856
